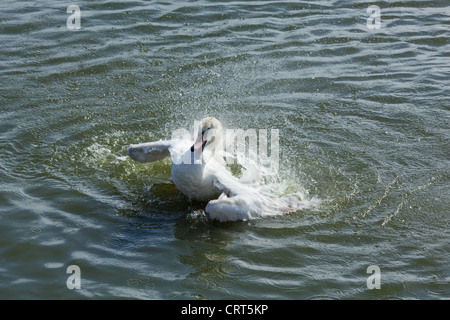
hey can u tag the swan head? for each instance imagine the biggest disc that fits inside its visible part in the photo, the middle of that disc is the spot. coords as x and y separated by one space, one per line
209 135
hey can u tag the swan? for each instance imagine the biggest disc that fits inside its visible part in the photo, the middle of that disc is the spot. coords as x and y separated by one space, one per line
200 173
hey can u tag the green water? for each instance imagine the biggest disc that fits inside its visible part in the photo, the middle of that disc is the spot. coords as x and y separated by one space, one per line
363 116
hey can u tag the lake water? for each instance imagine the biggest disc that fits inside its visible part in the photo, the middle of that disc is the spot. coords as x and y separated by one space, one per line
361 102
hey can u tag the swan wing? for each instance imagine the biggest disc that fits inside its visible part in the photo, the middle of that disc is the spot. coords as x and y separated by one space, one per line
150 151
240 201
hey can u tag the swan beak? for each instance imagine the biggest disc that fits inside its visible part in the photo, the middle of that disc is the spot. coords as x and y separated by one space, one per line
201 143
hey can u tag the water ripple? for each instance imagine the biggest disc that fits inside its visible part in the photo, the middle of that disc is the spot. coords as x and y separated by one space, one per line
363 117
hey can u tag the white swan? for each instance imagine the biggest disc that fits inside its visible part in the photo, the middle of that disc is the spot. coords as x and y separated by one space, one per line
199 172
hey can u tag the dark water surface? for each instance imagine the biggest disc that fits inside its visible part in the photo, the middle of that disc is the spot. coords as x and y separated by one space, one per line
363 116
